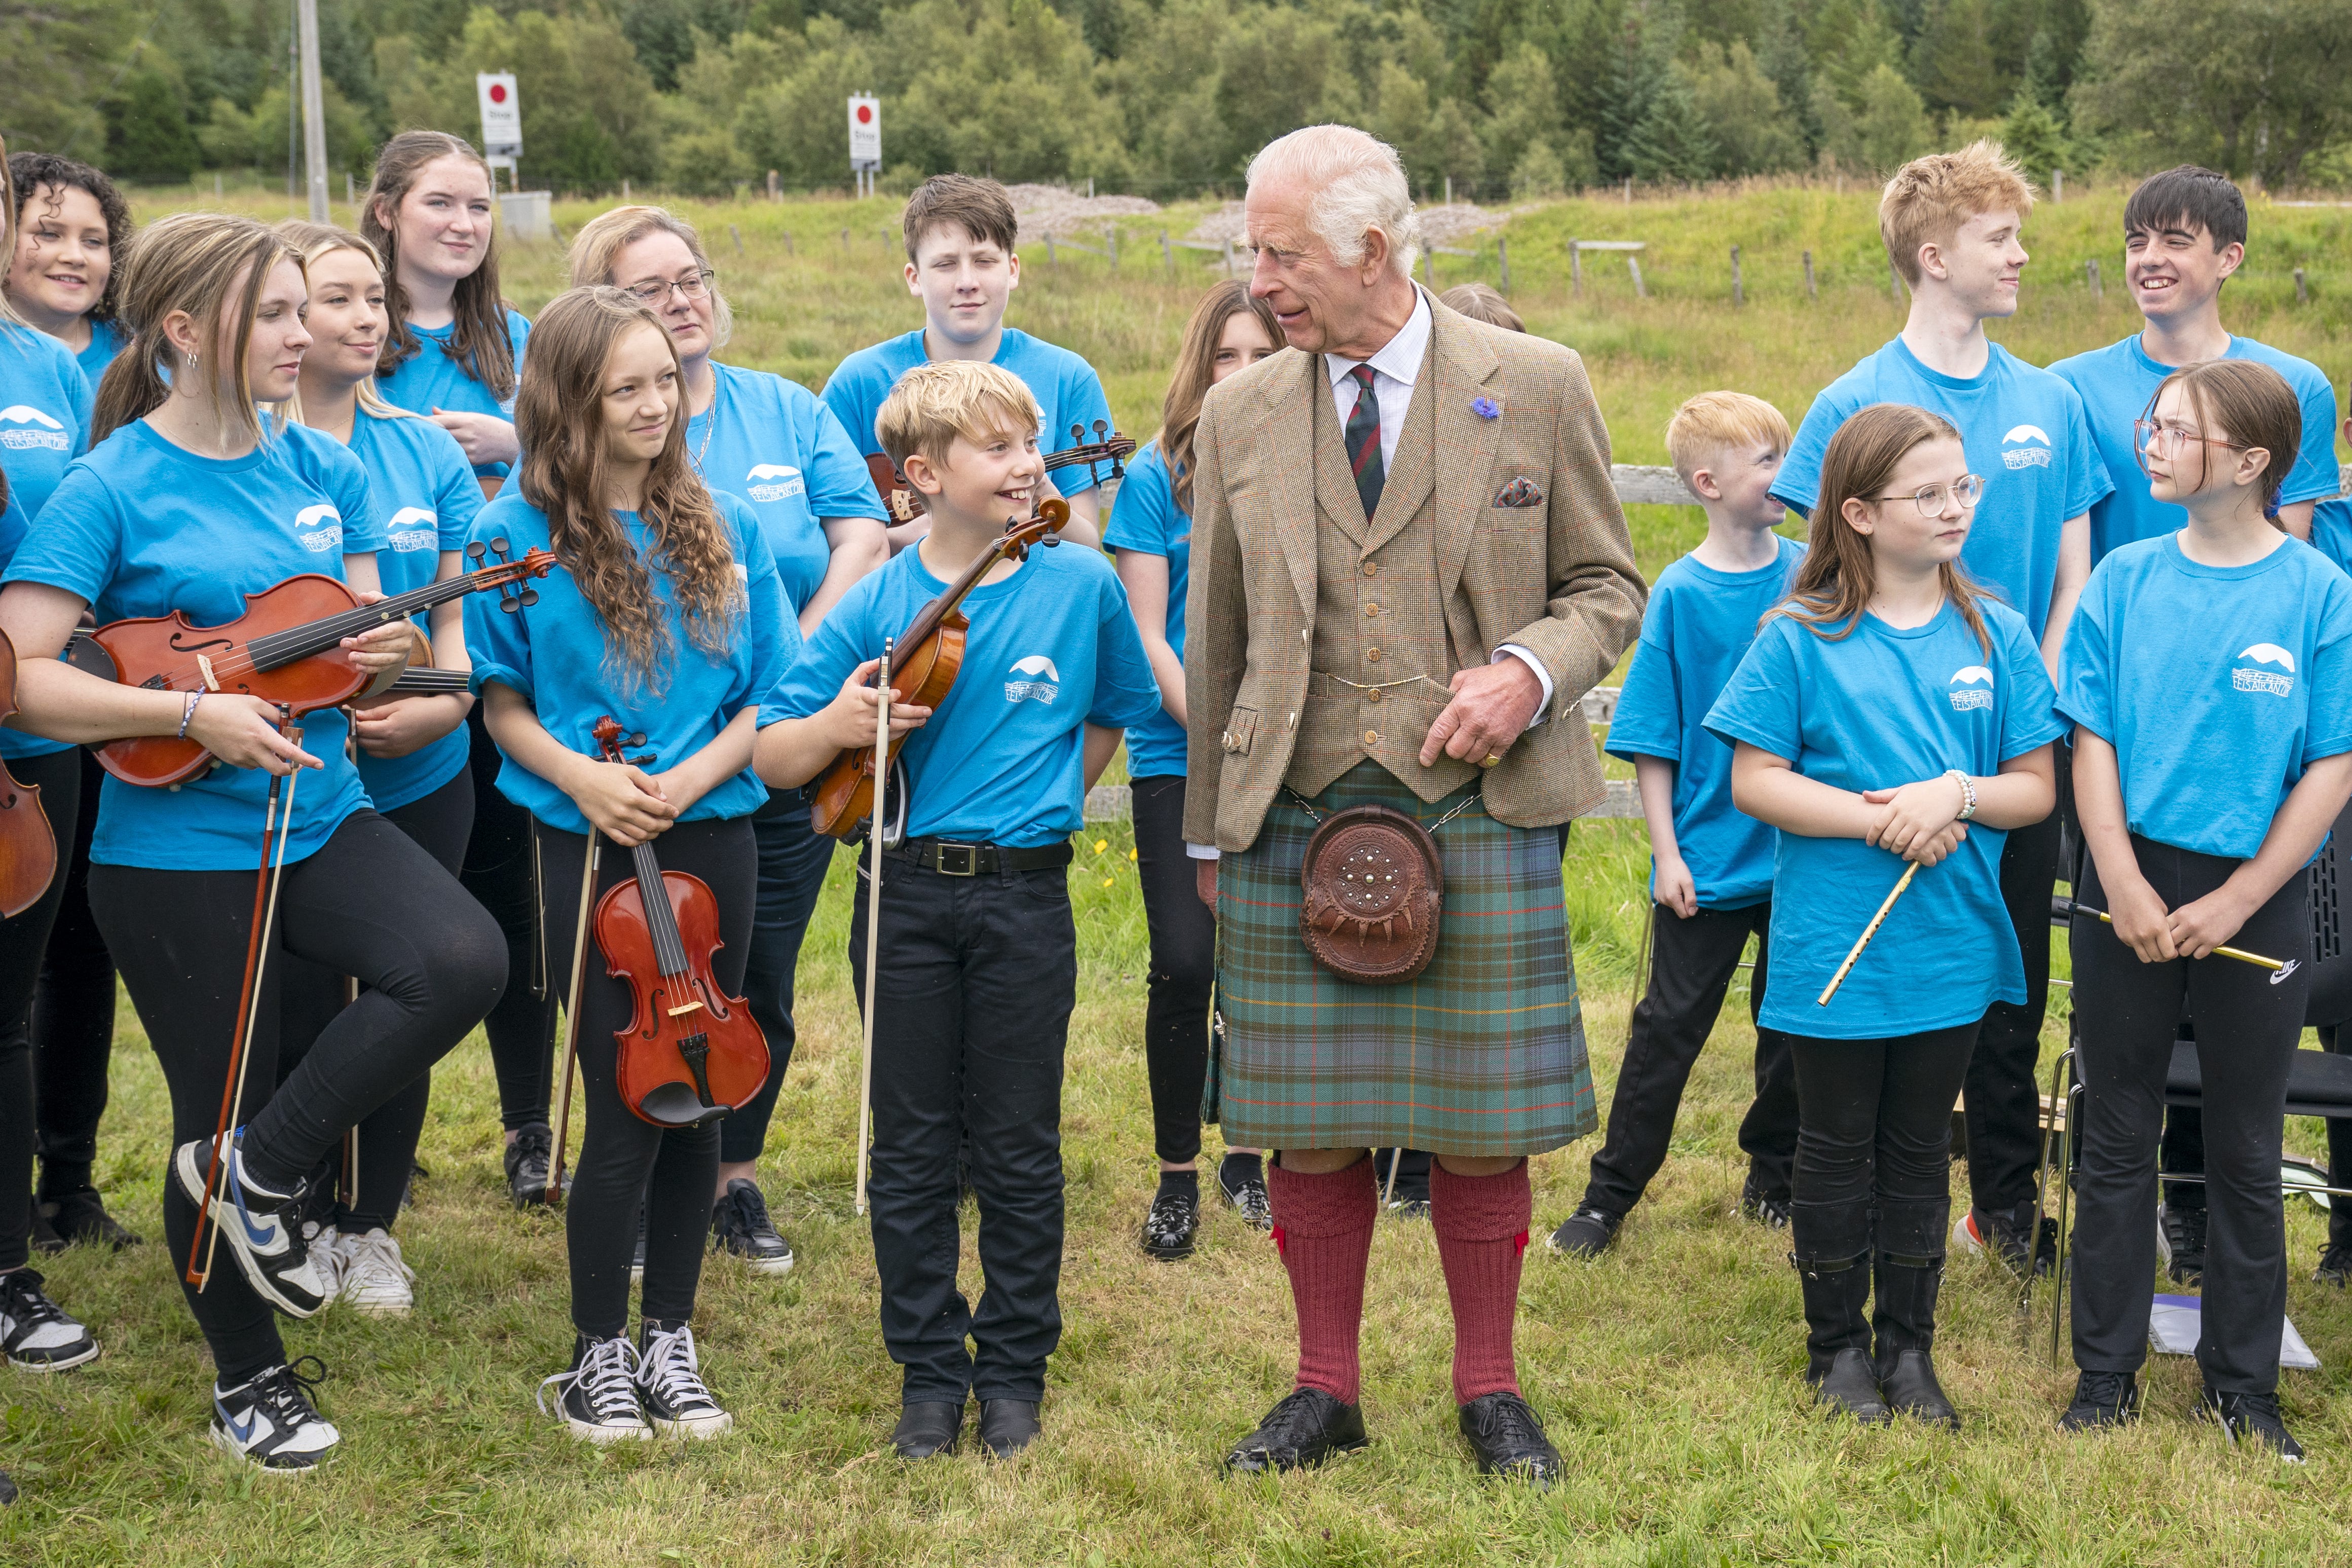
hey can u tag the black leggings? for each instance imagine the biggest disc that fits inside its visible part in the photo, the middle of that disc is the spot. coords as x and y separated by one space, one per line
1874 1131
73 1012
625 1161
57 776
521 1028
311 995
370 904
1183 960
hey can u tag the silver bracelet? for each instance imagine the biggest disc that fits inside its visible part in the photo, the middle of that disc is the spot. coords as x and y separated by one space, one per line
1967 793
187 713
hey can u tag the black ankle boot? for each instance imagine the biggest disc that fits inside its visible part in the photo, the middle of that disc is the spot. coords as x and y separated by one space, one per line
1831 1258
1910 1271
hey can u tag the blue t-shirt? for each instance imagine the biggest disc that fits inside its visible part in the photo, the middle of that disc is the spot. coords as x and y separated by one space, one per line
554 655
431 379
430 500
2331 532
16 743
2024 431
106 341
1052 649
45 403
1698 627
770 443
1066 386
140 526
1145 519
2117 382
1875 710
2216 685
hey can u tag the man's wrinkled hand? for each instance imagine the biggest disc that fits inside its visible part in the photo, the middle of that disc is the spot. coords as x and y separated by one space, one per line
1492 707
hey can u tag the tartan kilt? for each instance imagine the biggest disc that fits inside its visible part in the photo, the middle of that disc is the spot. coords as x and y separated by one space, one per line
1482 1054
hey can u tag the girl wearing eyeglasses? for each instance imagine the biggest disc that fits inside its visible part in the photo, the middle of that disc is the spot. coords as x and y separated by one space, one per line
2209 678
1889 716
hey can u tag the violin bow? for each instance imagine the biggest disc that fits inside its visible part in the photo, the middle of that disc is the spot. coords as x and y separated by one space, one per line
266 883
874 917
589 863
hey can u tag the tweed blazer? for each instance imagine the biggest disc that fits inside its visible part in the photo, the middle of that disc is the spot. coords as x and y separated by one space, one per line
1556 577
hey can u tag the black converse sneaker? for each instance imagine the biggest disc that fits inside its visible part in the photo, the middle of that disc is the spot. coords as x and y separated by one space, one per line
270 1423
262 1230
740 1225
35 1333
669 1383
597 1395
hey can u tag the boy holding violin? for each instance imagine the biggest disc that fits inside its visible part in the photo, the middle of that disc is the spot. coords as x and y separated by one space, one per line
977 944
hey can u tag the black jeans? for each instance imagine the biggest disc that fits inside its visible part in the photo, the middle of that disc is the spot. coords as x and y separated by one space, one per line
57 776
627 1161
1876 1121
1692 962
310 995
370 904
521 1028
2248 1029
2004 1109
1183 964
793 860
978 976
73 1011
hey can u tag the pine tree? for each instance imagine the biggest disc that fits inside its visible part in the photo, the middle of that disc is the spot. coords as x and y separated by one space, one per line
1672 144
148 139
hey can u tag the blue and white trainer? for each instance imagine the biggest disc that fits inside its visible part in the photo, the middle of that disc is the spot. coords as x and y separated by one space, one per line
270 1424
35 1331
262 1229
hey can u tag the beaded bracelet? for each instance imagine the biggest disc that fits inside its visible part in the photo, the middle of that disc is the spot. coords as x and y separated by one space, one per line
1968 793
187 713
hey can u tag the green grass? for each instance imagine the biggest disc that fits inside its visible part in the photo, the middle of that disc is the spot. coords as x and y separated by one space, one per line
1669 1370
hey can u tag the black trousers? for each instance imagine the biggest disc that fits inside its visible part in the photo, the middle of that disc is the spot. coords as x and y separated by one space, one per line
793 860
498 872
2248 1029
627 1161
1183 965
311 995
370 904
57 776
1692 962
1876 1121
2004 1107
979 976
73 1010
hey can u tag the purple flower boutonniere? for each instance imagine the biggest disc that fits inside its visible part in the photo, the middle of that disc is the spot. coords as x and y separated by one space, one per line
1485 408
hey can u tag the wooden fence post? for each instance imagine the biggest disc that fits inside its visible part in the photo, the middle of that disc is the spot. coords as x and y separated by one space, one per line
1575 278
1503 258
1738 292
1165 255
1632 263
2090 269
1810 292
1893 280
739 250
2302 294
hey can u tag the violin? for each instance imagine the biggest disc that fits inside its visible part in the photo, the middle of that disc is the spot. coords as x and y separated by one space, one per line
905 503
691 1053
29 845
285 648
923 666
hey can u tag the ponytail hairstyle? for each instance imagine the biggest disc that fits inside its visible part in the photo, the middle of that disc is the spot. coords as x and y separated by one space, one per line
310 241
1838 577
598 246
480 341
559 415
2249 406
212 266
1196 370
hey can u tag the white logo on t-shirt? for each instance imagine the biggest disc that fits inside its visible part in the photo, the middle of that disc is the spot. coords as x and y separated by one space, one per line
405 533
50 436
318 538
2245 679
1042 690
2034 456
779 481
1971 687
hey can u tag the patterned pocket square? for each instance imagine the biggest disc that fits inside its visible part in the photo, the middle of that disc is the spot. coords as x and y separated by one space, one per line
1520 492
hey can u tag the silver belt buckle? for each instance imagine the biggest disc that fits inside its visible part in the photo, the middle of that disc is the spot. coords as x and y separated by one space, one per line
949 855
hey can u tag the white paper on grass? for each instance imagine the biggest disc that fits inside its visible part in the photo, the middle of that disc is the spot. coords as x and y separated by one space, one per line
2174 1322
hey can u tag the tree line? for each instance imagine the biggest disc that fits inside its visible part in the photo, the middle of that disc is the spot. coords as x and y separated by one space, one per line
1168 97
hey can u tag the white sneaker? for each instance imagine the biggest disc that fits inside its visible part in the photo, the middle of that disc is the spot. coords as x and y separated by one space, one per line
596 1396
35 1331
326 1261
373 1279
270 1423
669 1382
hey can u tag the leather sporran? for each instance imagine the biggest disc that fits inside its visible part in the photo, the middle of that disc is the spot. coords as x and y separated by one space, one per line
1375 888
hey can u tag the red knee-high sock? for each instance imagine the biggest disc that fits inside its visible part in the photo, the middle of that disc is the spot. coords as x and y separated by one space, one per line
1482 1234
1323 1227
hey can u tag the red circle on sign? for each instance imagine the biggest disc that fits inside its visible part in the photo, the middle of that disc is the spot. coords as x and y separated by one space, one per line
865 114
497 92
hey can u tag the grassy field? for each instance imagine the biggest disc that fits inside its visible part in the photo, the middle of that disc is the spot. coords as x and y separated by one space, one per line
1669 1370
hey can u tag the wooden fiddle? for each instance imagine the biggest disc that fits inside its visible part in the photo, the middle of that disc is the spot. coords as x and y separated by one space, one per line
691 1053
922 667
29 845
905 503
285 648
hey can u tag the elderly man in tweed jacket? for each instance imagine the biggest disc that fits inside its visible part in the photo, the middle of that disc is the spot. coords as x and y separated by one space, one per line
1408 567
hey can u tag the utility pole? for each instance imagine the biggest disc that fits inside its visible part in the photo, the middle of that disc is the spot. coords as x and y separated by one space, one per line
314 109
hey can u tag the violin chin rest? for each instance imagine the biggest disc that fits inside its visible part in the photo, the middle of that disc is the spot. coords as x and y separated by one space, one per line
676 1105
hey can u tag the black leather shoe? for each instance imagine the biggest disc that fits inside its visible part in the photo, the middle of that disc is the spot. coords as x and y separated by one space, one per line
81 1216
2101 1399
1851 1385
1585 1234
1305 1429
927 1428
1910 1388
1169 1229
526 1160
1508 1436
1008 1425
2251 1418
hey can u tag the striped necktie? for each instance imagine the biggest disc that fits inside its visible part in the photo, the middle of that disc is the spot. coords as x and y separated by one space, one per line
1363 437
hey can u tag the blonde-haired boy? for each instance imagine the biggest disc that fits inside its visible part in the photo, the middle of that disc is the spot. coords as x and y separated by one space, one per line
1951 222
977 938
1711 866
